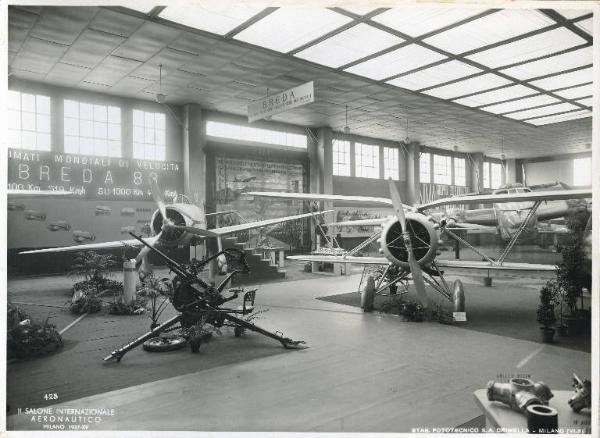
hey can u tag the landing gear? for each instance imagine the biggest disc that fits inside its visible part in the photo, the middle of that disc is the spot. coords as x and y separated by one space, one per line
458 296
367 295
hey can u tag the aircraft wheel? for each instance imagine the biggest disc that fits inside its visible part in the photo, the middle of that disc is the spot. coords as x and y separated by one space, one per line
367 295
458 296
238 331
159 344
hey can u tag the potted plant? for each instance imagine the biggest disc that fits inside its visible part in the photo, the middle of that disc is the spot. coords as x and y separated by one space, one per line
572 276
545 312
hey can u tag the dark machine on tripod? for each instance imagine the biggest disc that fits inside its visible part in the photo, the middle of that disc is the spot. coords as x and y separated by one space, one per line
200 302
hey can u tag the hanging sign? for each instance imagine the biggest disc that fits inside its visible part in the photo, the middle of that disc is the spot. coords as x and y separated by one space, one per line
280 102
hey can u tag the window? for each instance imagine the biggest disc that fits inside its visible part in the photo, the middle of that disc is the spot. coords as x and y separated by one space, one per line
492 175
341 157
367 160
459 172
486 175
442 169
425 168
259 135
390 163
92 129
496 175
28 121
582 171
149 135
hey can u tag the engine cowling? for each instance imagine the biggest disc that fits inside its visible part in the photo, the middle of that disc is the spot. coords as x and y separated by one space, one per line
423 236
170 235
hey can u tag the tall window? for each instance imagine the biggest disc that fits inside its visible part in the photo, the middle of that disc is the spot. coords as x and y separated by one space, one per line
390 163
341 157
425 168
496 172
28 121
92 129
367 160
459 172
582 171
149 135
492 175
442 169
259 135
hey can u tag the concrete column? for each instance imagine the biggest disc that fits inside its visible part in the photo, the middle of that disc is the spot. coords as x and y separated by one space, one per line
315 165
193 134
127 130
412 173
325 163
519 171
511 171
194 156
476 180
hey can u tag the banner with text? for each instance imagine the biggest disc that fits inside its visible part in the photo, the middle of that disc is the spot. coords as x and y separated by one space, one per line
92 177
280 102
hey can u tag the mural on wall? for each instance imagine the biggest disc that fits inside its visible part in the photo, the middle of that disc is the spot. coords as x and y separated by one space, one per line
111 197
353 214
235 176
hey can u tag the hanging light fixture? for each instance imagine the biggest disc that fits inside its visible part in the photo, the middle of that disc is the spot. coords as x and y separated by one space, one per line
346 128
160 98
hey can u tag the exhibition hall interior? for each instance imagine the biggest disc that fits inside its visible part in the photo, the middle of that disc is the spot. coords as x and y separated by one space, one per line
244 217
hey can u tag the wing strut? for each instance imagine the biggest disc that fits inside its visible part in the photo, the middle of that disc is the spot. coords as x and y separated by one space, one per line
522 227
468 245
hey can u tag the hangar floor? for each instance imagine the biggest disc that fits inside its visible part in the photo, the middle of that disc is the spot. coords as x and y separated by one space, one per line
362 372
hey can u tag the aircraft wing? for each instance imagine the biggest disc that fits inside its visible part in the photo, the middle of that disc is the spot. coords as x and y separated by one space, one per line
361 200
341 259
553 195
360 222
506 266
260 224
38 193
469 226
459 264
100 245
220 213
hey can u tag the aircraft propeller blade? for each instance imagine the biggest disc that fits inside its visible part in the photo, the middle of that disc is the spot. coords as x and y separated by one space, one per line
157 196
415 268
145 250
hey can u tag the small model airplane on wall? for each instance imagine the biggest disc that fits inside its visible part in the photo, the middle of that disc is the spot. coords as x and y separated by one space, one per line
409 241
175 225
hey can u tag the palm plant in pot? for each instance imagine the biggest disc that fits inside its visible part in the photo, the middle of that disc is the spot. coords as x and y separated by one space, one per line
573 275
545 312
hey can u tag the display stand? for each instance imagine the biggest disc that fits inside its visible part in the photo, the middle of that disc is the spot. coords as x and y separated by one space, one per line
501 418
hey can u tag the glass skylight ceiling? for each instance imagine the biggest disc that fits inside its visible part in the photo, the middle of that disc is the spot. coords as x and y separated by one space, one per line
396 62
420 21
525 65
213 17
289 28
352 44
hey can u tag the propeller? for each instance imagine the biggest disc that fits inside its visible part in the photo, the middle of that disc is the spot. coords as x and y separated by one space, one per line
157 196
415 268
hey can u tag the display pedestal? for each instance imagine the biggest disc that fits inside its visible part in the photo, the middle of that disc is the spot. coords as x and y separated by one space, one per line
501 418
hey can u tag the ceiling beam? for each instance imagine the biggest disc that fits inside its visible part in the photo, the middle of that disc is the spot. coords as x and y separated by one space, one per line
252 20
